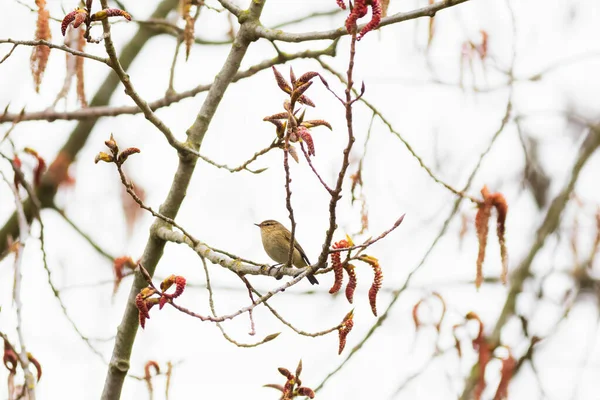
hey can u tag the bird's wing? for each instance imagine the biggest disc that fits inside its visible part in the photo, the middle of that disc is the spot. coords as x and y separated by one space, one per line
288 236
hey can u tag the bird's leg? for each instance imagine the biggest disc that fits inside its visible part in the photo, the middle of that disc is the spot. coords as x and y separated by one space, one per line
279 273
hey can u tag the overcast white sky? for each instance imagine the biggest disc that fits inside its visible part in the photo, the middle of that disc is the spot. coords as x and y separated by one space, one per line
447 126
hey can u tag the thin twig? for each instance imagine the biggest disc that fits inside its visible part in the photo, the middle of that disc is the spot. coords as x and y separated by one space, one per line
170 89
53 46
20 249
219 325
165 101
226 317
36 211
307 157
9 53
130 90
292 327
243 166
251 312
337 191
428 11
308 17
370 242
429 251
399 136
84 235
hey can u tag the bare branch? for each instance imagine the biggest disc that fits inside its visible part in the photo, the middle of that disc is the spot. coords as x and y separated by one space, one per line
429 11
53 46
111 111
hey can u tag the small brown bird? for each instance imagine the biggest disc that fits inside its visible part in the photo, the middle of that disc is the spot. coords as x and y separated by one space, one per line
276 241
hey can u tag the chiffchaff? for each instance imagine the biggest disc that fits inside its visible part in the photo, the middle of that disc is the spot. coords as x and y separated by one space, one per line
276 241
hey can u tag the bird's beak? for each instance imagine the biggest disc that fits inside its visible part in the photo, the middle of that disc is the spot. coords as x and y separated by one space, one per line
257 225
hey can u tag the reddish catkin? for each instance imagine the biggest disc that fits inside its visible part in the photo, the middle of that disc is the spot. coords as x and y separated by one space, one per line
38 171
58 172
36 363
178 281
375 19
77 17
485 355
457 340
179 286
188 34
360 10
188 31
39 168
151 364
508 368
336 262
10 358
415 314
338 272
483 47
164 299
79 70
438 325
40 54
119 265
17 165
344 330
374 290
484 212
484 351
377 281
140 303
341 4
148 375
499 202
351 286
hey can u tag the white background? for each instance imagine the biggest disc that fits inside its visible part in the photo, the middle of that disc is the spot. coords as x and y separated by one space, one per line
447 126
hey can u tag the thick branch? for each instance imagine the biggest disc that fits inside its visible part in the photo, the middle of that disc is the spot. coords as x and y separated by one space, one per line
223 260
119 364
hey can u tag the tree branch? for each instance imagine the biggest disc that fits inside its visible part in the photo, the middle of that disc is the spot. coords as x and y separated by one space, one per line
429 11
119 364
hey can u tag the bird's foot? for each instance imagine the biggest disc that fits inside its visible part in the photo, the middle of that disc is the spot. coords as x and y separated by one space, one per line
279 273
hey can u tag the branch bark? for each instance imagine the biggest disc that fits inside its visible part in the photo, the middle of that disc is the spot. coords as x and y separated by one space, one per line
119 364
